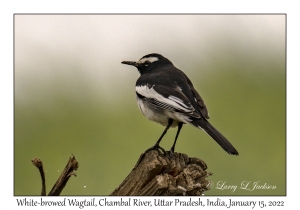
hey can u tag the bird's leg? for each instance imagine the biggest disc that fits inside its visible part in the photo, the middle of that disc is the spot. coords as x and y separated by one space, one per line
156 145
177 134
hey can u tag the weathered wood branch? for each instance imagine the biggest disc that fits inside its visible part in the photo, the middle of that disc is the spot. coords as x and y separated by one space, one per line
39 164
160 175
71 166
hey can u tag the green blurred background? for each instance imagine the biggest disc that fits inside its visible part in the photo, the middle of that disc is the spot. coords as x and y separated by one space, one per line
73 96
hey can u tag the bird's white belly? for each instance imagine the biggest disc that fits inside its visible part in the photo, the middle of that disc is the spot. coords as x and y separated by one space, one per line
159 115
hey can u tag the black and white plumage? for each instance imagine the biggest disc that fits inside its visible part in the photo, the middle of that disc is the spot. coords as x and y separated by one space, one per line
167 96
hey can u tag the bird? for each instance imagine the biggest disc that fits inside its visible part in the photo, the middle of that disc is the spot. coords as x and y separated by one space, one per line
167 96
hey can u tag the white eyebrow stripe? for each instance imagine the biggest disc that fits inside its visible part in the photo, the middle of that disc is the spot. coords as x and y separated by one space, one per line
150 59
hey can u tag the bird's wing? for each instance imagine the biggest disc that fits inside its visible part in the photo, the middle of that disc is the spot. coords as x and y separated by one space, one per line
198 99
167 98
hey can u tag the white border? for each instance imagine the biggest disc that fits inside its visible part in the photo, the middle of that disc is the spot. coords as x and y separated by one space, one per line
8 8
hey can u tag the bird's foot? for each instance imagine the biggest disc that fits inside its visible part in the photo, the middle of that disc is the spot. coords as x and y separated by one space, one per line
158 148
170 153
155 147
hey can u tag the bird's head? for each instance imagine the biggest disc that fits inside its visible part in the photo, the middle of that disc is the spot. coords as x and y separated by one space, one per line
149 63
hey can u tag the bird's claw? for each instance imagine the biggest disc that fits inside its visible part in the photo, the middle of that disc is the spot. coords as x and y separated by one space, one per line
170 154
158 148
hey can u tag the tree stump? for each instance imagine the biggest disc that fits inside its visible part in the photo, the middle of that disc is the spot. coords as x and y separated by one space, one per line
156 174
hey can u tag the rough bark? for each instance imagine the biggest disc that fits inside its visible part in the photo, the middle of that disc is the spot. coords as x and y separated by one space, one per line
156 174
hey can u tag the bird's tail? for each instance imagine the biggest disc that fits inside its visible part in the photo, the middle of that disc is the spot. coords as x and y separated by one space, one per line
216 135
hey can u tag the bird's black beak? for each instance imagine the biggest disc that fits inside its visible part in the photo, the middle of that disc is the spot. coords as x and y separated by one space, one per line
132 63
